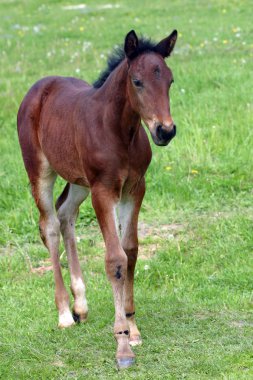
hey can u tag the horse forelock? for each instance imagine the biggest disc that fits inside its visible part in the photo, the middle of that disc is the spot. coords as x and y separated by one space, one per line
118 55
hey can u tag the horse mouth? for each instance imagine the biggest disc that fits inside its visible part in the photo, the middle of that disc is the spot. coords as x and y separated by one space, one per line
163 139
160 142
161 134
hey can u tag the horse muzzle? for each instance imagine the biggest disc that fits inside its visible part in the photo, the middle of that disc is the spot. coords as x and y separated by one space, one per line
163 134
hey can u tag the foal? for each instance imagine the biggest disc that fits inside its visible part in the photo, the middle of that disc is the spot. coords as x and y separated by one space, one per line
93 138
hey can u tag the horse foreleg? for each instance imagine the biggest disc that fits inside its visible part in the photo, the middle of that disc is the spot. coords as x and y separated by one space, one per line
129 208
104 204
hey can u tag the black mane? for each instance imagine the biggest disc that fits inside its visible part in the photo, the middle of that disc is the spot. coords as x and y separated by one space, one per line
117 56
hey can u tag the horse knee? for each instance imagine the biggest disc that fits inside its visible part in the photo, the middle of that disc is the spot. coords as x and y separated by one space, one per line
116 266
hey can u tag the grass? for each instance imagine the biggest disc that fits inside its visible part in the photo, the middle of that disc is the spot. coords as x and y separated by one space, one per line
194 277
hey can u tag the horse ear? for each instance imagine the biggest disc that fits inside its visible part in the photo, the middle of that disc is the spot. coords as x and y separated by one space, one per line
166 46
131 44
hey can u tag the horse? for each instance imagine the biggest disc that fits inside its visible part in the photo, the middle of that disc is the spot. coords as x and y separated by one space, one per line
92 137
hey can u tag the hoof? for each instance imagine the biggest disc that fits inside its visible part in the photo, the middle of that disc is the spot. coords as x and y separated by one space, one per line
135 340
125 362
65 325
78 318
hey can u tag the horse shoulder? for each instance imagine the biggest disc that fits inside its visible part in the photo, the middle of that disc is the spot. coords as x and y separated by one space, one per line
140 152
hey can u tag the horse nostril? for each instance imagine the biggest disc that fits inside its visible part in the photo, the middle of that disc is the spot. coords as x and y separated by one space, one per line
159 131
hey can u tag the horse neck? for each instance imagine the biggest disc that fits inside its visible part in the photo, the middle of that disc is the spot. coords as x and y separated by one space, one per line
119 114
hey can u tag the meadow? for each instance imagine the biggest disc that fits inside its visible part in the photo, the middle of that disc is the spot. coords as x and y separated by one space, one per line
194 277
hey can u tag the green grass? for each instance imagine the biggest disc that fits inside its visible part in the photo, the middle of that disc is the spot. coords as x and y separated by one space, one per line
194 278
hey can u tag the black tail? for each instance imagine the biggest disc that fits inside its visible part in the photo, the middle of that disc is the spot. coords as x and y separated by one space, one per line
62 198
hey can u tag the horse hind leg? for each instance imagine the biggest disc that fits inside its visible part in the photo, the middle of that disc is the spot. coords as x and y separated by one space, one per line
42 179
68 206
42 190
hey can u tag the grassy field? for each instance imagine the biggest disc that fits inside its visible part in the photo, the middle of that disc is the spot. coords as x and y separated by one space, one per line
194 277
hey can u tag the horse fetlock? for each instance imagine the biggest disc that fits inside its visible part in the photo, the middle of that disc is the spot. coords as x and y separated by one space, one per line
130 314
80 310
135 336
65 319
123 349
123 332
62 304
135 340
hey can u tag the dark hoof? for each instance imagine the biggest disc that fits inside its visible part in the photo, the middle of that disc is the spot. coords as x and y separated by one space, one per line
125 362
76 317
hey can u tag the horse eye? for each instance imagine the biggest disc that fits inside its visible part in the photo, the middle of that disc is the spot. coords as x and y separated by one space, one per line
137 83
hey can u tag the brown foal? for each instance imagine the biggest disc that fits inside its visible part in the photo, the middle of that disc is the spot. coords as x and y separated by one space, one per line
93 138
